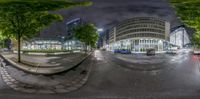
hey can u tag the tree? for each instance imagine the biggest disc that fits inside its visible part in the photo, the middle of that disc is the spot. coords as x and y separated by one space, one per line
23 19
189 12
86 33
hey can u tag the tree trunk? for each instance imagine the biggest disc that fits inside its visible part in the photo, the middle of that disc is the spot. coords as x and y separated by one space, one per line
19 48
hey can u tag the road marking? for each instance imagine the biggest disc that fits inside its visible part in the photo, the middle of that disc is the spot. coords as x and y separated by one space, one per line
37 67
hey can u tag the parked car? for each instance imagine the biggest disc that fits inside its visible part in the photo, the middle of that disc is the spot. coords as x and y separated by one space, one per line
150 52
172 51
103 49
116 51
5 49
196 51
124 51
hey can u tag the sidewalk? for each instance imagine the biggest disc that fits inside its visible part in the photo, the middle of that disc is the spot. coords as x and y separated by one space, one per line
60 83
45 65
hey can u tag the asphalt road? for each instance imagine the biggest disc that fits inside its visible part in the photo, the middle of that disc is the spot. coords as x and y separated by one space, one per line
180 79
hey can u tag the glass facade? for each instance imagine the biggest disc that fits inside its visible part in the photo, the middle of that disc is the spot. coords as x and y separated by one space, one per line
139 34
51 44
40 44
73 45
139 45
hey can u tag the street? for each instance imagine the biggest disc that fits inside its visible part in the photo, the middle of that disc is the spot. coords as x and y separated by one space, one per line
179 79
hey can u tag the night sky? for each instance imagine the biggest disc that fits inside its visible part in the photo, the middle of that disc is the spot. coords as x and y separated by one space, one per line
106 13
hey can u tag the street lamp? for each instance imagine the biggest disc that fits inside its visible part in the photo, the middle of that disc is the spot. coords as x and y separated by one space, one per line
100 30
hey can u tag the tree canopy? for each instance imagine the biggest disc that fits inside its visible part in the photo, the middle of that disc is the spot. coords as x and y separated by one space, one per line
30 16
22 19
189 12
38 5
87 33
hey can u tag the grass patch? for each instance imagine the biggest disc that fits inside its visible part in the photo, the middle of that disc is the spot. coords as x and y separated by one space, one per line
44 51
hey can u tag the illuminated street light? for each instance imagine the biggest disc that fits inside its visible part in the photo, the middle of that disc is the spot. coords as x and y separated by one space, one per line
99 29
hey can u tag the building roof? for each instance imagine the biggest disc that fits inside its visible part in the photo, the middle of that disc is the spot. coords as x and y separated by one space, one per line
74 20
177 27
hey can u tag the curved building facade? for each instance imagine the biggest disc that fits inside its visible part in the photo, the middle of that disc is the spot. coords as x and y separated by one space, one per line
139 34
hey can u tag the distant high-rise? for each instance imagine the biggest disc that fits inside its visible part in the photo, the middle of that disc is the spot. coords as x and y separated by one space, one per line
103 39
71 25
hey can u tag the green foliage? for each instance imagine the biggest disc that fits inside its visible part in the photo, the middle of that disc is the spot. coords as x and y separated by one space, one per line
196 38
23 19
44 51
189 12
30 16
87 33
39 5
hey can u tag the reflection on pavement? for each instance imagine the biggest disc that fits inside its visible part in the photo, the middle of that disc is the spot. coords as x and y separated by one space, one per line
98 55
196 61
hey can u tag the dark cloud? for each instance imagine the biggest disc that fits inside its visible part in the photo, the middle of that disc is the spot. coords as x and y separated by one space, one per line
106 13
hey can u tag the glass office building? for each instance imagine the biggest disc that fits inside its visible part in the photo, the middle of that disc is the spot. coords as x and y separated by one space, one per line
52 44
42 44
61 42
139 34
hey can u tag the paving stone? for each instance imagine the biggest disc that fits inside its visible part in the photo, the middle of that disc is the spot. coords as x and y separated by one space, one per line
77 80
13 83
68 84
13 80
73 82
28 86
2 72
81 76
59 87
10 77
61 90
14 86
29 90
9 83
72 88
84 80
6 80
45 91
4 75
16 82
18 88
78 85
50 88
21 84
7 75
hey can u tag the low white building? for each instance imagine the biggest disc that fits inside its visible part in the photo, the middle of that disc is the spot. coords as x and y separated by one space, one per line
42 44
179 36
52 44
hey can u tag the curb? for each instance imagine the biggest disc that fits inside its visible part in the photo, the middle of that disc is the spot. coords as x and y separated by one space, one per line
32 70
60 88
